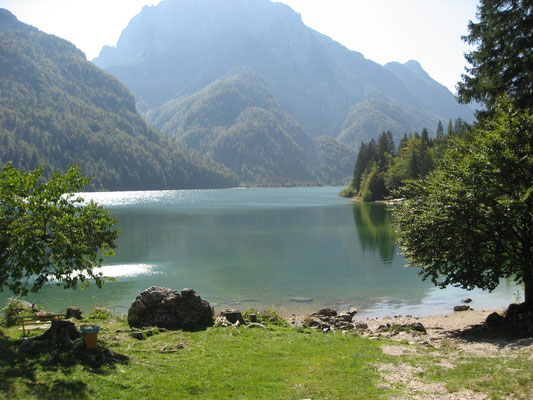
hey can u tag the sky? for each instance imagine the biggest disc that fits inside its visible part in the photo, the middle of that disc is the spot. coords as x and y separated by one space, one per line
428 31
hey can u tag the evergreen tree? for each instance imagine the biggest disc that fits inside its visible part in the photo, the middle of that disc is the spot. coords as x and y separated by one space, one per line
502 61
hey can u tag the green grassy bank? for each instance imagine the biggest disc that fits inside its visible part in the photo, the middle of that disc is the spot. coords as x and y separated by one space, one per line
276 362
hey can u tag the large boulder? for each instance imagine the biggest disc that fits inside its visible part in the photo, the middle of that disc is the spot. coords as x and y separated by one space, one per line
170 309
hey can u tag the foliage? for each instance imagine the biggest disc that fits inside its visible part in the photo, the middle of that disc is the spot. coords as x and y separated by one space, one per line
47 233
56 109
270 317
380 169
470 222
237 122
367 118
502 61
15 309
100 313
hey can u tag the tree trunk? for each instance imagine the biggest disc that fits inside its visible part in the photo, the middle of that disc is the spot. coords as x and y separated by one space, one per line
61 332
528 292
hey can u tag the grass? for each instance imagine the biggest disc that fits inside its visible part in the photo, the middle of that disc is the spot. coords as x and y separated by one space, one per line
218 363
244 363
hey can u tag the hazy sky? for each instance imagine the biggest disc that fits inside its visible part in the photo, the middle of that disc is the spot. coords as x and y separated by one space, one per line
428 31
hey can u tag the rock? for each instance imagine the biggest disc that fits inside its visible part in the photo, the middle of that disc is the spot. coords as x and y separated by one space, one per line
326 312
360 325
352 311
495 320
302 299
317 322
345 316
73 312
418 327
233 316
139 335
466 300
170 309
461 308
383 328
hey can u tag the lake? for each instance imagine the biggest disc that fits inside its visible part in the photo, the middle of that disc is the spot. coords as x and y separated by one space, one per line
293 249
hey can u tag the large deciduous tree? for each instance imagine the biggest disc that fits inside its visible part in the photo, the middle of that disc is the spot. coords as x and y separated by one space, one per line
502 60
48 233
470 222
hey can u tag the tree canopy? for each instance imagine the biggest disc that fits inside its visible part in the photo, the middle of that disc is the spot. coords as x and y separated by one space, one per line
48 233
470 222
502 61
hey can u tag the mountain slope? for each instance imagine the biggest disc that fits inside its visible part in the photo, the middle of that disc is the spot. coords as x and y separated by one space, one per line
366 120
237 122
56 109
181 46
435 96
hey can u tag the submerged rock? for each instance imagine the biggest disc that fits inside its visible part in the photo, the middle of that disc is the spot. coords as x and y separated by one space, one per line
170 309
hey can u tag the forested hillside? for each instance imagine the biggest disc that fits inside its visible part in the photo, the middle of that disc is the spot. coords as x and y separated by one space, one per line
381 167
237 122
57 109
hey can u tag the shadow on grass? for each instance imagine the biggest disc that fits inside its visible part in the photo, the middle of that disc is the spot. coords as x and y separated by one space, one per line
25 367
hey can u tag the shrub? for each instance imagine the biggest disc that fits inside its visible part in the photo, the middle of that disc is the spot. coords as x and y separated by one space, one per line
100 313
14 309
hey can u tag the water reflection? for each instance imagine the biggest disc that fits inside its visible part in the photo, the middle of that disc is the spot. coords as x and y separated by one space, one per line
375 230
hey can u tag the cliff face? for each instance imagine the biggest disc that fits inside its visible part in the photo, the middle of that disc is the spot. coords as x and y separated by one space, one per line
180 46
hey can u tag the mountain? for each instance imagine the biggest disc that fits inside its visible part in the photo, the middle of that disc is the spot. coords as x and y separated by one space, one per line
380 115
335 161
56 109
179 47
237 122
437 98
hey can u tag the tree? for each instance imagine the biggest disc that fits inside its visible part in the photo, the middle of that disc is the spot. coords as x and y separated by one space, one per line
470 222
502 62
48 233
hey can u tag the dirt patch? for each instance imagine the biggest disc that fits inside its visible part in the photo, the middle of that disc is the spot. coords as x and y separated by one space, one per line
403 376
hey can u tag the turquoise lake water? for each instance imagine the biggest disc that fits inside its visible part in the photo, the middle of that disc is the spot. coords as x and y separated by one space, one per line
293 249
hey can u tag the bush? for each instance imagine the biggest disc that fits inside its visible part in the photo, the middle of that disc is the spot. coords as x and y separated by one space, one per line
16 308
266 317
100 313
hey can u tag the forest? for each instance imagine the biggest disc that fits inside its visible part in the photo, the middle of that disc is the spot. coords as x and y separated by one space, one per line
381 167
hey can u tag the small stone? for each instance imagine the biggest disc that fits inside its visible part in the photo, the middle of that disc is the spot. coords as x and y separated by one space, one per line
138 335
328 312
495 320
461 308
418 327
347 317
352 311
360 325
466 300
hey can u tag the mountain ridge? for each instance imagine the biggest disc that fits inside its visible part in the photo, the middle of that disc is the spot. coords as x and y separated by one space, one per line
56 109
181 46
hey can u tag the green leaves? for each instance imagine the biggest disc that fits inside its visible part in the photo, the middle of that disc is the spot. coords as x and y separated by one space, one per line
48 233
503 58
470 222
